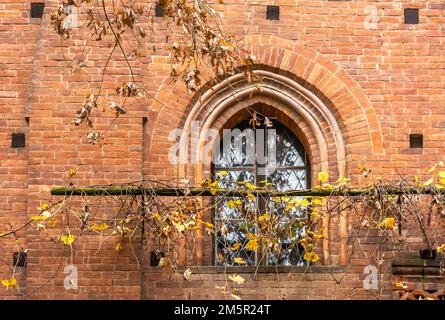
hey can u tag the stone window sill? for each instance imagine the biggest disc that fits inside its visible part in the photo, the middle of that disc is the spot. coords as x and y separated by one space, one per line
261 269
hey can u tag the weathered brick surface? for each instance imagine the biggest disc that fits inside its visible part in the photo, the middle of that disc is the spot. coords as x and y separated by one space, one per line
381 85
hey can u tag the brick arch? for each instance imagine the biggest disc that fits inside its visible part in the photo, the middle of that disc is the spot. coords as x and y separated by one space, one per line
315 138
330 93
280 93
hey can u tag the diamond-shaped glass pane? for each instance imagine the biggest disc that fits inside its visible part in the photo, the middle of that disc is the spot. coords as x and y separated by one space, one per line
290 254
231 239
287 179
284 150
236 149
233 178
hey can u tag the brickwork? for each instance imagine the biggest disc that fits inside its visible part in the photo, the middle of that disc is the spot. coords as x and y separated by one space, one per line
379 85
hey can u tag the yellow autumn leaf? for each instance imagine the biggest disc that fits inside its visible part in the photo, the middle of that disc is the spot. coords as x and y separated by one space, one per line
231 204
311 256
234 203
302 203
239 260
68 240
323 176
179 226
221 173
317 202
315 213
39 218
252 245
214 188
441 248
237 278
263 217
388 223
235 246
250 196
250 186
100 227
315 235
250 235
52 223
118 248
400 285
427 183
10 283
71 173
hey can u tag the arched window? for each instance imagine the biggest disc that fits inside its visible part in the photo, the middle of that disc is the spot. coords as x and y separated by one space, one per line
259 154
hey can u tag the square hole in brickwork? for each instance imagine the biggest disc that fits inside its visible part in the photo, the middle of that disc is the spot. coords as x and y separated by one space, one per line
18 140
155 258
273 13
19 259
411 16
416 140
159 9
37 10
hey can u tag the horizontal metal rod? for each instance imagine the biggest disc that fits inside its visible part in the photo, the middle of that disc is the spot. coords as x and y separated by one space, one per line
205 192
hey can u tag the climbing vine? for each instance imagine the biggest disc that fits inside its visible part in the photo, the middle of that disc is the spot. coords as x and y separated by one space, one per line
172 218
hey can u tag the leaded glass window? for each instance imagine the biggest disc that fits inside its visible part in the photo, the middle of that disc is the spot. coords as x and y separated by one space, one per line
259 155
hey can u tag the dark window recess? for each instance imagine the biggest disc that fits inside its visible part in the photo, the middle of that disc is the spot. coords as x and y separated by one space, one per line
273 13
155 258
416 141
19 259
18 140
411 16
37 10
159 10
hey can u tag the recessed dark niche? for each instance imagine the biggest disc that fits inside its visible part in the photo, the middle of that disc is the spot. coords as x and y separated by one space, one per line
416 141
155 258
411 16
273 13
19 259
37 10
159 9
18 140
427 254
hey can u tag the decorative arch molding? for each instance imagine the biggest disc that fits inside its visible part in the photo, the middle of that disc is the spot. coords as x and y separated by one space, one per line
227 98
296 76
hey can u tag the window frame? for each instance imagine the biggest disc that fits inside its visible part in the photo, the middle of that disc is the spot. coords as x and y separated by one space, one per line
257 177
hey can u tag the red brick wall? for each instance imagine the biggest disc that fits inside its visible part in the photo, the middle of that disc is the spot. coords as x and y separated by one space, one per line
381 85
